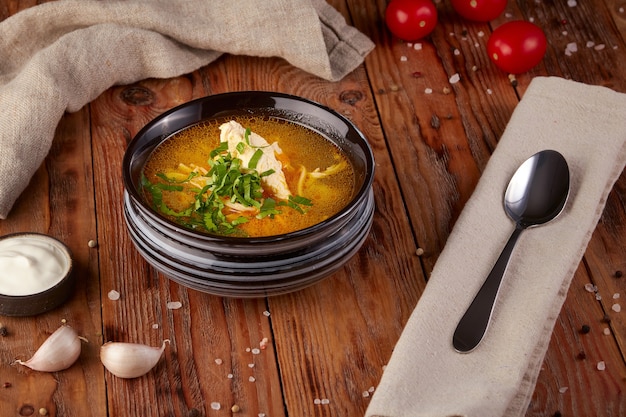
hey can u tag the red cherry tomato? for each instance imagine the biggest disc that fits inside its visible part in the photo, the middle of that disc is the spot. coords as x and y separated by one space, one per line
517 46
411 20
479 10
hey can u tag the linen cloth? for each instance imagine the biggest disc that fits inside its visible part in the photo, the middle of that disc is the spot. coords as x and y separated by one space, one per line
59 56
425 376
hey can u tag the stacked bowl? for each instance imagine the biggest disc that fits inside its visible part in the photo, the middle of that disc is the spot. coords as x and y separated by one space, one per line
249 266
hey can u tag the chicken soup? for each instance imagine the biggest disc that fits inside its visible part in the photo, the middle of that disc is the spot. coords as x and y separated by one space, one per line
248 177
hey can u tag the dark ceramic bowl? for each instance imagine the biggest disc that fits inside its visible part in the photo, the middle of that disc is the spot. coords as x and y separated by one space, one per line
240 266
44 299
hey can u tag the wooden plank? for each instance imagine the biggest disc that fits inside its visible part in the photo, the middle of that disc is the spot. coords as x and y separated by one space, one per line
59 202
206 329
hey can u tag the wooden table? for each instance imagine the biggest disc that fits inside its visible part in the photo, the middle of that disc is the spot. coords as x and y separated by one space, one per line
328 344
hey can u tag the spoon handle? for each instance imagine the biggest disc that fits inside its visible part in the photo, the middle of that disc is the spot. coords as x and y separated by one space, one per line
473 325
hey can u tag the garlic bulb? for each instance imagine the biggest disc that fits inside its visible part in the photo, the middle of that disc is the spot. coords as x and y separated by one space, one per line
130 360
58 352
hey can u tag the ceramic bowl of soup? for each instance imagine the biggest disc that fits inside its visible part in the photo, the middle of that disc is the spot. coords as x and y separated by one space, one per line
248 194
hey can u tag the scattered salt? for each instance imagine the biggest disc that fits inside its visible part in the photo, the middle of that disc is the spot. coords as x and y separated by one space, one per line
531 19
572 3
325 401
455 78
621 10
598 297
563 390
481 34
457 52
365 394
371 389
606 331
403 58
266 313
616 296
248 350
230 376
616 307
599 47
489 91
256 351
261 415
155 326
570 48
428 91
601 366
174 305
113 295
216 405
251 379
564 33
218 361
263 343
417 46
590 44
317 401
250 365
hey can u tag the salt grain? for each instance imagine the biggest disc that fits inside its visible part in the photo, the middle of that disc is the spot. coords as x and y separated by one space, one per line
230 376
572 3
590 44
216 405
598 297
601 366
616 296
218 361
571 48
403 58
457 52
155 326
317 401
325 401
113 295
599 47
251 379
365 394
591 288
563 390
174 305
417 46
455 78
428 91
616 307
266 313
250 365
489 91
256 351
606 331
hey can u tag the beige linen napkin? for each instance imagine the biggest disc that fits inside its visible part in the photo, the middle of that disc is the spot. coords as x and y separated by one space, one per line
59 56
425 377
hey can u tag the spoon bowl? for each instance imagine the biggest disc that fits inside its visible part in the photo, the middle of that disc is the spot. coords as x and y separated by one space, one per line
536 194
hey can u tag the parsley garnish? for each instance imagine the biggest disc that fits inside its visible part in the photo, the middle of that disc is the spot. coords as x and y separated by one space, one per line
226 182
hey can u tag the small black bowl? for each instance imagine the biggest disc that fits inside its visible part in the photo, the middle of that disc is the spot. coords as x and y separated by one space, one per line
31 304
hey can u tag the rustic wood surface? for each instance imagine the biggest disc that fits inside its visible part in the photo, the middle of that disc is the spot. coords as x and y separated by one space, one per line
330 341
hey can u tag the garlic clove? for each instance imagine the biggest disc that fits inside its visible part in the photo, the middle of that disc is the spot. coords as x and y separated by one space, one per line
130 360
59 351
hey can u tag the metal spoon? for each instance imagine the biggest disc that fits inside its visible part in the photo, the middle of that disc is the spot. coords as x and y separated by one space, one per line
535 195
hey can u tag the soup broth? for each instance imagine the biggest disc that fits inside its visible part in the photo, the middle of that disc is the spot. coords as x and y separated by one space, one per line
180 177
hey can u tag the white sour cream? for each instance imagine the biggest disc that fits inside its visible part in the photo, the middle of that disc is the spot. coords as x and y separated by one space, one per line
30 264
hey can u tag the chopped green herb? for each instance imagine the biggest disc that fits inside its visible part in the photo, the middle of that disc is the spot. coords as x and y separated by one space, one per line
227 182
